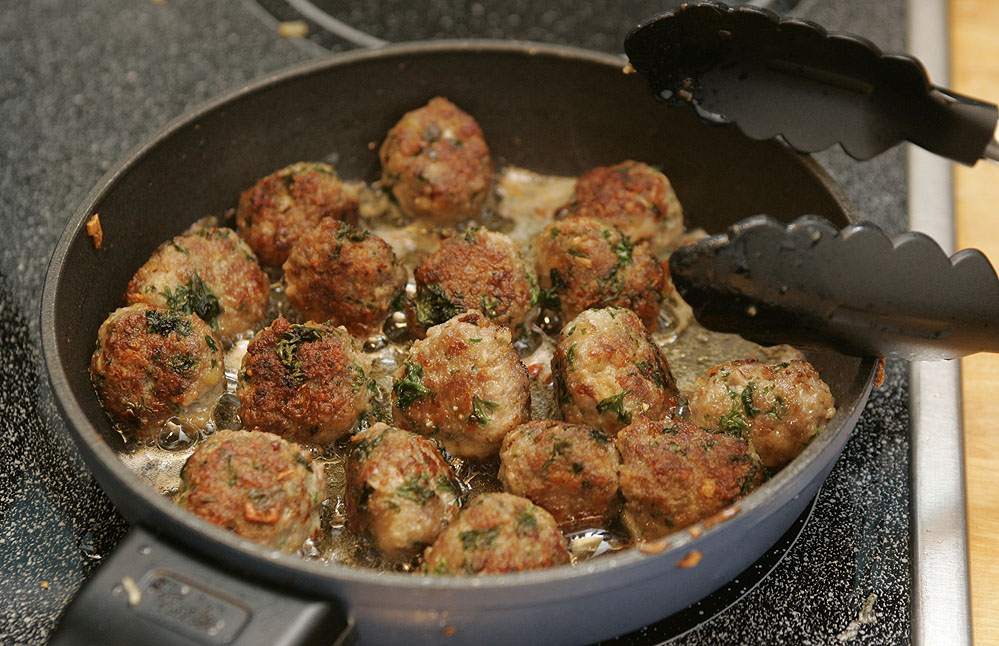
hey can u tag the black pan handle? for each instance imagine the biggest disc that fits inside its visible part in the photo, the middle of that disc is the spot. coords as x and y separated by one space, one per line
149 592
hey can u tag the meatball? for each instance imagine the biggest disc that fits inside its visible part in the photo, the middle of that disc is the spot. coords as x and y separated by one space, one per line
608 371
463 385
279 208
778 407
256 485
634 197
437 164
153 363
674 474
476 270
569 469
308 383
400 491
583 263
495 533
210 272
345 275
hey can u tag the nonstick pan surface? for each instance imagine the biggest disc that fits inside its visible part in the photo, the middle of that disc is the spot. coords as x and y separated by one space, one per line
550 109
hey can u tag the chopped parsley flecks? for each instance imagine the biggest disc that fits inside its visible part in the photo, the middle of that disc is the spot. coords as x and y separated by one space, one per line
182 363
287 348
558 448
481 410
194 297
410 387
163 322
433 306
474 539
416 488
615 404
747 400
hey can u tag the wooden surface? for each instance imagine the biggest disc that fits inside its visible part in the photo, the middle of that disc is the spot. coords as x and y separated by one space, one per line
974 36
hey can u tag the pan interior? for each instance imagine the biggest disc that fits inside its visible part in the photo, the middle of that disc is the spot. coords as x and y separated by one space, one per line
554 111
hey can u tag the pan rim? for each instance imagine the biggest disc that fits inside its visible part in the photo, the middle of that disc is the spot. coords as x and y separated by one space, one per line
162 516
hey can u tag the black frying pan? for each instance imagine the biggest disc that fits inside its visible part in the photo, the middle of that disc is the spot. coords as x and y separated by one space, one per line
177 579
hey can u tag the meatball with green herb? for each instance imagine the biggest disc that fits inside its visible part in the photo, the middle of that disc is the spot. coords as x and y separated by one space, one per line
436 163
273 213
582 263
206 271
308 383
464 386
778 407
632 196
400 491
674 474
569 469
496 533
256 485
475 270
608 371
153 363
347 276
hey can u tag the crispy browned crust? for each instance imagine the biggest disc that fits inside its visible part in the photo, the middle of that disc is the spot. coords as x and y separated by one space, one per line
144 377
569 469
256 485
778 407
477 270
588 264
346 276
436 163
400 491
497 532
222 261
317 407
674 474
273 213
632 196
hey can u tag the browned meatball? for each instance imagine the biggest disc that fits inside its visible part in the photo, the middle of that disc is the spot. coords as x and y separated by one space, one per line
344 275
153 363
569 469
674 474
778 407
463 385
308 383
475 270
608 371
437 164
582 263
400 491
256 485
495 533
210 272
634 197
279 208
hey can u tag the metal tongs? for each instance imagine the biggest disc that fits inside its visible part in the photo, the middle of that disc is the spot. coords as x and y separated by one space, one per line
808 283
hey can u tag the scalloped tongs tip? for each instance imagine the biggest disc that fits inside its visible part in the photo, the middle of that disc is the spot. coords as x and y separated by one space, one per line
854 290
789 77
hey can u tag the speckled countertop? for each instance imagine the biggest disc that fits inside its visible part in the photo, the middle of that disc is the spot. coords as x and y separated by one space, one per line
82 83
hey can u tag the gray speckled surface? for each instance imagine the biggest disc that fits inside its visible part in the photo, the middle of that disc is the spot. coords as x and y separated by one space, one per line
81 83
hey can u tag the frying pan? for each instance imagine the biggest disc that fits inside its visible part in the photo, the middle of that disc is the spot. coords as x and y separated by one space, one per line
177 579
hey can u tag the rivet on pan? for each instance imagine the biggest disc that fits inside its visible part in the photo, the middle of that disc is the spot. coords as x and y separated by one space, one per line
690 560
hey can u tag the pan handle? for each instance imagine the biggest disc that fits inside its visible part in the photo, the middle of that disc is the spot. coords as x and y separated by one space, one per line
149 592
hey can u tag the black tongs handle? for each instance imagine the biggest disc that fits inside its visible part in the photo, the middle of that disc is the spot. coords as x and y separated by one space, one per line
786 76
855 290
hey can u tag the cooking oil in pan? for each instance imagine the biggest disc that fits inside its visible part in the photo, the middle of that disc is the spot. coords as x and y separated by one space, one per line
524 206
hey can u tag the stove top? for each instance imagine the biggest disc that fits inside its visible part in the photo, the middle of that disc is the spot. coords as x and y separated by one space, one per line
81 83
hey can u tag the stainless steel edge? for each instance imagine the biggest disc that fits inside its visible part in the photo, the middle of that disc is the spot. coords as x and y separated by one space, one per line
941 604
